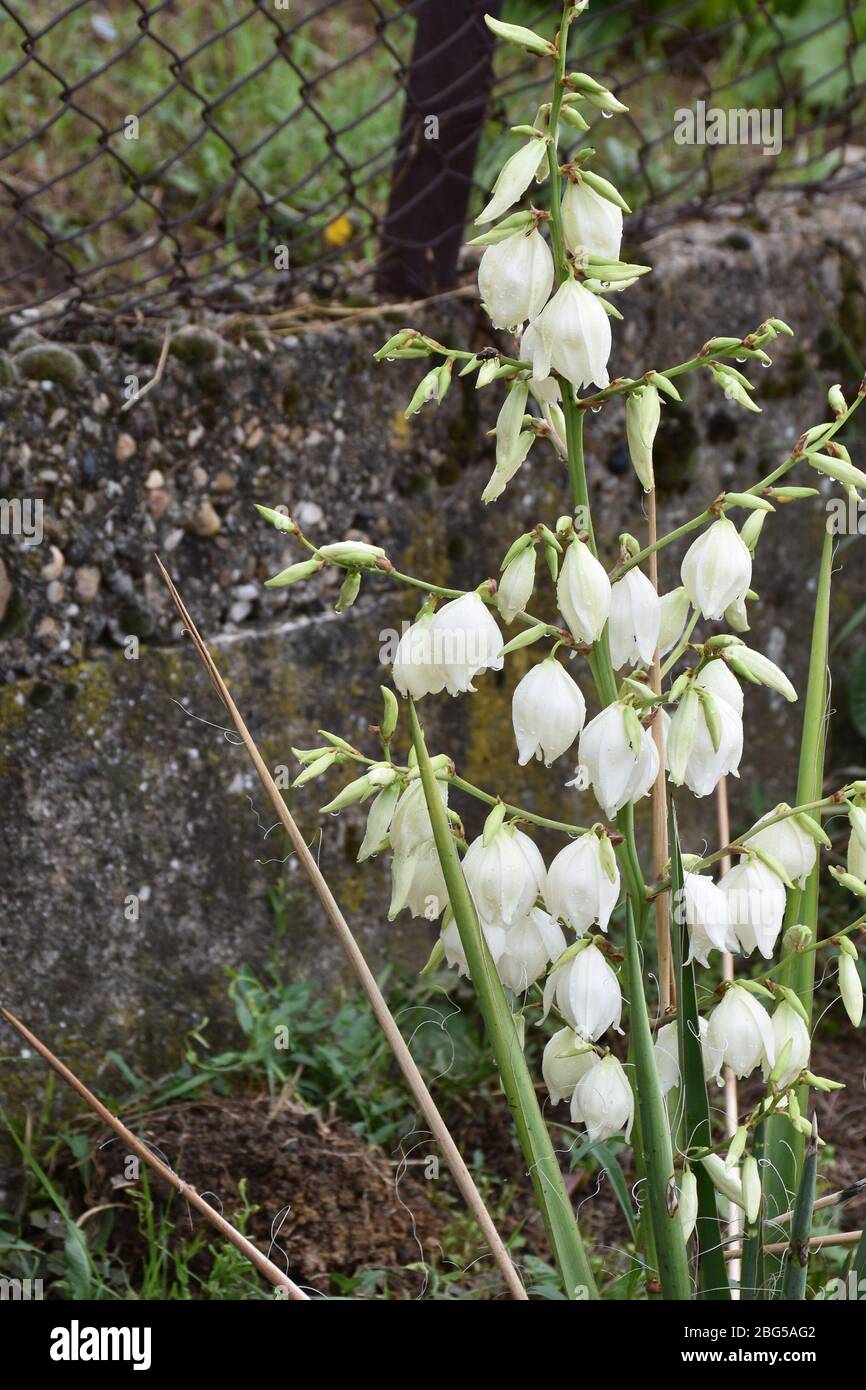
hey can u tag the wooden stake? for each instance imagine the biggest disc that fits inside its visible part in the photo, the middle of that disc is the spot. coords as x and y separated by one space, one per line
384 1017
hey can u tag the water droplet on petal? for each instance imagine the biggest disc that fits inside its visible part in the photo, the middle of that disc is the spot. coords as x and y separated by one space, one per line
607 115
739 359
766 364
595 409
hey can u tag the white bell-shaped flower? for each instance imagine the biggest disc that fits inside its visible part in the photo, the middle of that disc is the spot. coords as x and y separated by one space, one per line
455 956
587 994
717 568
515 176
547 711
604 1101
410 824
856 856
561 1071
415 672
572 336
515 587
504 876
703 766
635 617
756 905
417 882
530 945
465 640
793 1045
705 908
666 1054
788 842
741 1031
591 222
718 678
620 768
583 592
515 278
580 888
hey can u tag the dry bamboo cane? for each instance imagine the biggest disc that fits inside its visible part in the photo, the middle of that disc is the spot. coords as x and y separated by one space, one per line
779 1247
660 850
734 1224
225 1228
384 1017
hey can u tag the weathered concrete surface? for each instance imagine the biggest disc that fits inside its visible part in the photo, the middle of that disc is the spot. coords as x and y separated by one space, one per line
109 789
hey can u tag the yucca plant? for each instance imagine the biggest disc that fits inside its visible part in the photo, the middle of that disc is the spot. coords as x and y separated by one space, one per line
668 672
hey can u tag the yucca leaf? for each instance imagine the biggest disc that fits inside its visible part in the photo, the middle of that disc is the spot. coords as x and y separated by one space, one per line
673 1266
797 1267
752 1263
783 1145
713 1275
547 1179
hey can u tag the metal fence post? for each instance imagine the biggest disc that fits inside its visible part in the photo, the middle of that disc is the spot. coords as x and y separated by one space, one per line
446 98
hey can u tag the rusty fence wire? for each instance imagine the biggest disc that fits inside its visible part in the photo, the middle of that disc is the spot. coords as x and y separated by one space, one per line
225 152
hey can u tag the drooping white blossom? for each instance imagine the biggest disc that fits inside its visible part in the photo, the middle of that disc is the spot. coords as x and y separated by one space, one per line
707 916
717 568
583 592
547 711
741 1031
635 617
689 752
788 842
581 890
410 824
530 945
756 904
464 641
603 1101
620 757
591 222
515 278
718 678
417 882
666 1054
572 336
504 876
415 672
562 1072
587 993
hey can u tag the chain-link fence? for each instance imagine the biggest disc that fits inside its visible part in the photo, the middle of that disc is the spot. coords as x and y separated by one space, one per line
190 151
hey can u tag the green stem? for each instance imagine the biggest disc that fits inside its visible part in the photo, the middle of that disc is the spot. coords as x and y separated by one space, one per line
797 1267
462 785
517 1083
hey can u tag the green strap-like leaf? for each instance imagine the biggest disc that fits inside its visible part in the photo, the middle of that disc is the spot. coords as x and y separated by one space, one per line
713 1280
797 1266
547 1179
670 1247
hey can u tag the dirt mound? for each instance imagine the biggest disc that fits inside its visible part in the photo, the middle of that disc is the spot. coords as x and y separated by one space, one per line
329 1202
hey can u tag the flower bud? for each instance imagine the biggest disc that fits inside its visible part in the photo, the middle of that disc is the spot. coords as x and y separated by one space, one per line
673 615
379 822
840 469
851 989
349 591
303 570
514 178
517 34
516 585
792 1043
512 441
751 1184
359 790
642 414
583 592
836 400
281 520
687 1206
754 666
723 1181
352 554
316 768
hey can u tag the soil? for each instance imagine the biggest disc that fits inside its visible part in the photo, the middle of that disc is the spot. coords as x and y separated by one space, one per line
324 1202
333 1205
